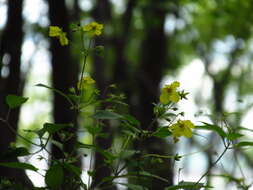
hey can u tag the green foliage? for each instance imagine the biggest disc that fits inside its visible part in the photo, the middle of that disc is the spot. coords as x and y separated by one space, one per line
54 176
111 110
19 165
188 186
14 101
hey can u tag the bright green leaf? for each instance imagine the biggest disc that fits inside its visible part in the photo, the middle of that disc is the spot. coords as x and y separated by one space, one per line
244 143
162 132
14 101
188 186
105 114
233 136
213 128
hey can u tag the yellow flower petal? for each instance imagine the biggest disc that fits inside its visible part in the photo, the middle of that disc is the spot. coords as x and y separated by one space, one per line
182 128
63 39
85 83
170 93
54 31
93 28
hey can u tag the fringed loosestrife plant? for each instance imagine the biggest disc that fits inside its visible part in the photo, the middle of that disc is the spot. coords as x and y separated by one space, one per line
55 31
84 94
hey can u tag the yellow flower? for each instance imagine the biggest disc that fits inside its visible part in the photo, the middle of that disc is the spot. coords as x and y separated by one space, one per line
93 28
170 93
55 31
182 128
85 83
63 39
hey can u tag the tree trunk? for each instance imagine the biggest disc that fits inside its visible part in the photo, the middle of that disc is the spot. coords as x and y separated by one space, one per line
64 76
102 13
10 83
148 77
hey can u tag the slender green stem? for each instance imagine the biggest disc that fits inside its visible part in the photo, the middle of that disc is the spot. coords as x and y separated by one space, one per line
123 147
214 163
90 165
11 128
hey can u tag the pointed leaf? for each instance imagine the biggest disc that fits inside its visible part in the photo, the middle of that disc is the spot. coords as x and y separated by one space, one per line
244 143
133 186
57 91
233 136
212 127
105 114
14 101
188 186
54 176
162 132
52 127
19 165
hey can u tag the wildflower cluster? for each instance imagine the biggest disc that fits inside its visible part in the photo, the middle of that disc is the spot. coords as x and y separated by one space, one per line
84 99
170 94
85 82
55 31
93 29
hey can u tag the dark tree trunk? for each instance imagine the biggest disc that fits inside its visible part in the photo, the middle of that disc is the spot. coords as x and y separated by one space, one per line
64 76
10 83
148 77
102 14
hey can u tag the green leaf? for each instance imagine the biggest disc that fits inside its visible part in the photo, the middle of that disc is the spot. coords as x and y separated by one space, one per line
105 114
14 101
54 176
147 174
53 128
131 120
244 143
57 91
99 50
233 136
19 165
108 155
124 154
188 186
162 132
14 152
214 128
245 129
87 146
133 186
75 170
94 130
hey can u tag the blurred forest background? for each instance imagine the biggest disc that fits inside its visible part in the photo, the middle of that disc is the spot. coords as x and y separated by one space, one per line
204 44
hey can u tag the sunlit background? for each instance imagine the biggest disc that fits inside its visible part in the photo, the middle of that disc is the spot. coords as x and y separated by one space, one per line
192 76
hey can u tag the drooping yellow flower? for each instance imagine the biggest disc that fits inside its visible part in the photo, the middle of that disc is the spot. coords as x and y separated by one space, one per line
93 28
85 83
182 128
55 31
170 93
63 39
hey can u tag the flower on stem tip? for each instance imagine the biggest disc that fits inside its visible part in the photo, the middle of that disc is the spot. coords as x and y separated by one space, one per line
85 82
181 128
170 93
93 28
55 31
